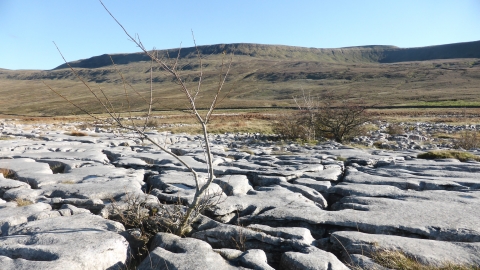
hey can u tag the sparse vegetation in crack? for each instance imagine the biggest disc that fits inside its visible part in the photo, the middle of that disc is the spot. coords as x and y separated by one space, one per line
55 166
7 173
23 202
398 260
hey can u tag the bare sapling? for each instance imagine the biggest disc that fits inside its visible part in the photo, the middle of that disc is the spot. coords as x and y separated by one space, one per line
171 67
300 124
308 106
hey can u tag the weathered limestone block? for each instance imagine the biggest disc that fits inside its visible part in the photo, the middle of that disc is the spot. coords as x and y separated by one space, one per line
312 259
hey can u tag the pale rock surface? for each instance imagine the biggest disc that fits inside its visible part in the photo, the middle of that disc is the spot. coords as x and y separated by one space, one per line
82 241
312 259
172 252
234 184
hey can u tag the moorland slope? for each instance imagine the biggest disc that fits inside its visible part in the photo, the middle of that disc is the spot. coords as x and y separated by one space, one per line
261 76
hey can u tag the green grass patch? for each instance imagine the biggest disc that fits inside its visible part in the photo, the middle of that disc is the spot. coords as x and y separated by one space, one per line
443 154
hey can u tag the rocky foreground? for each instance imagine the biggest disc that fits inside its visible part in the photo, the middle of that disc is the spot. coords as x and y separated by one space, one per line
327 206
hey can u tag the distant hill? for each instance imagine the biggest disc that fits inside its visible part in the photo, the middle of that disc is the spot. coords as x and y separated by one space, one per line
372 54
260 76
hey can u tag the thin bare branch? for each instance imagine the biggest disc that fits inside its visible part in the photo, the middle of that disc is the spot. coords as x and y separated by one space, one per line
219 89
199 56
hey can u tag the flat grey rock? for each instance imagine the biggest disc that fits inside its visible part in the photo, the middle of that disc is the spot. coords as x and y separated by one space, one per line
437 215
320 186
307 192
178 186
6 184
11 216
366 190
298 233
250 259
410 179
254 259
78 222
312 259
234 184
81 241
364 262
273 241
332 173
172 252
270 206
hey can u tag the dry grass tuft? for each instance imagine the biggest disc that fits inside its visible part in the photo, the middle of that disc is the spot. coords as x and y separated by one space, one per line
152 123
394 259
7 173
68 182
22 202
77 133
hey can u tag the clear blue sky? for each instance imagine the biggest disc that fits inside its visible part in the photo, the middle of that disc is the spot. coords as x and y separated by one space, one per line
83 29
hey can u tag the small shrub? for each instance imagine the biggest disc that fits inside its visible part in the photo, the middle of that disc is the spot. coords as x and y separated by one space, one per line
135 211
332 117
395 129
289 126
152 123
468 140
443 154
340 117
